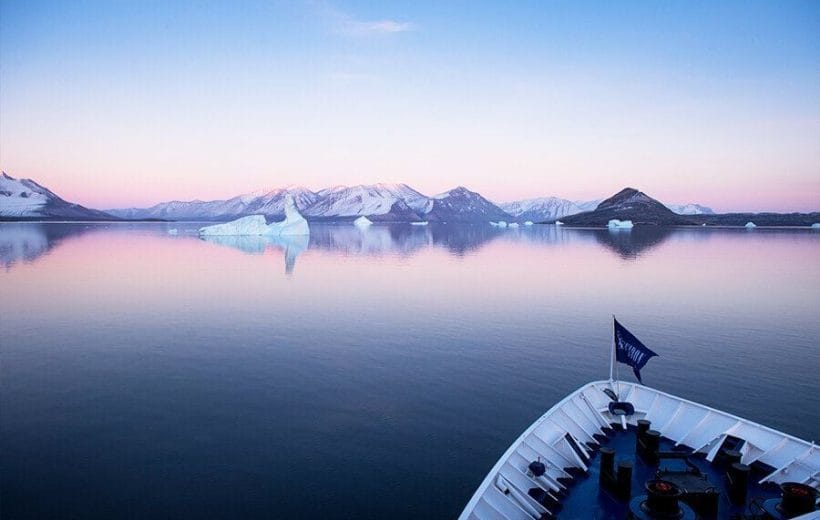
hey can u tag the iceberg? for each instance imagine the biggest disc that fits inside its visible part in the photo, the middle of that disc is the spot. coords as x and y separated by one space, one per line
513 224
362 222
559 223
250 225
423 223
173 231
816 225
750 225
502 223
294 224
528 223
619 224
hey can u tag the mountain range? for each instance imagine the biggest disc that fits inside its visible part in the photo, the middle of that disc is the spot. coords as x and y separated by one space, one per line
378 202
25 199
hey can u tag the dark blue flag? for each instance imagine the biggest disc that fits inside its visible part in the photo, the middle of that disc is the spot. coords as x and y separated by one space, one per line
630 350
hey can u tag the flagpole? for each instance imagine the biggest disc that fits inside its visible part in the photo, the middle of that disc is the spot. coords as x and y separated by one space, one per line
613 367
612 353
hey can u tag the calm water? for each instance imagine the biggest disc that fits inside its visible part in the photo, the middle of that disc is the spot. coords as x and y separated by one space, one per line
362 374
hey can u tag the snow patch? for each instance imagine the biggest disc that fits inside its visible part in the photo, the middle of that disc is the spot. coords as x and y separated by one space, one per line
362 222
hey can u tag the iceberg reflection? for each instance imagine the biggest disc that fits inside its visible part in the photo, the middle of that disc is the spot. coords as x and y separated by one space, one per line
292 246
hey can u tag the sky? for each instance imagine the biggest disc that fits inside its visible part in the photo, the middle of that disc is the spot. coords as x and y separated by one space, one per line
130 103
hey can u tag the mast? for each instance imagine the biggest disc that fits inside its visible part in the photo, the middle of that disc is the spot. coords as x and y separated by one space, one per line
612 353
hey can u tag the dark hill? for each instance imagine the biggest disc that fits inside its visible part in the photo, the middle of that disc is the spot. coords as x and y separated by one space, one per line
629 204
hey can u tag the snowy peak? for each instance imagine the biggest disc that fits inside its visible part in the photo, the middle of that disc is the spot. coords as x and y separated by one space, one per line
463 205
24 198
545 208
690 209
384 201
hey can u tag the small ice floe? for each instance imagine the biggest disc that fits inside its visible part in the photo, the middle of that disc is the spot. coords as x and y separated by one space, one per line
513 224
750 225
362 222
502 223
528 223
619 224
173 231
423 223
816 225
294 224
559 223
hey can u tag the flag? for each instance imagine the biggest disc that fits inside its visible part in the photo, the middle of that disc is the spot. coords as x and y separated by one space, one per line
630 350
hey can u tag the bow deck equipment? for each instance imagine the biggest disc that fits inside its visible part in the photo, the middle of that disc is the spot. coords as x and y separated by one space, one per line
646 454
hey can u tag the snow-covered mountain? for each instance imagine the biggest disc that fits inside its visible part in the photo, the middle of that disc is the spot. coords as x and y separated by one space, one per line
546 208
463 205
690 209
25 199
270 203
550 208
378 202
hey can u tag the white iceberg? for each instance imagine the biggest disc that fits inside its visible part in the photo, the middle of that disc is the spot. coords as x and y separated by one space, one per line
494 224
423 223
362 222
816 225
528 223
513 224
255 225
619 224
173 231
750 225
502 223
559 223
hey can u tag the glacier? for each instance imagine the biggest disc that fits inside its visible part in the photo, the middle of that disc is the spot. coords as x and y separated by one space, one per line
294 224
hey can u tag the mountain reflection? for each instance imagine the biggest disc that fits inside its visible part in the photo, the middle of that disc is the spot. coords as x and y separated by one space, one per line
26 242
629 244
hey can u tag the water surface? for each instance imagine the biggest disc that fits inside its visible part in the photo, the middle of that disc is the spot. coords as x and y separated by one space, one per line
362 373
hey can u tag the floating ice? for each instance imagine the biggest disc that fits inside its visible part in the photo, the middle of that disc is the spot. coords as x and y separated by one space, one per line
424 223
502 223
816 226
513 224
293 225
362 222
528 223
750 225
173 231
619 224
559 223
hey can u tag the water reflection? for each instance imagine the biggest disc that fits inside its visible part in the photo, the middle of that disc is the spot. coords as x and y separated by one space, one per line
629 244
291 246
22 242
26 242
